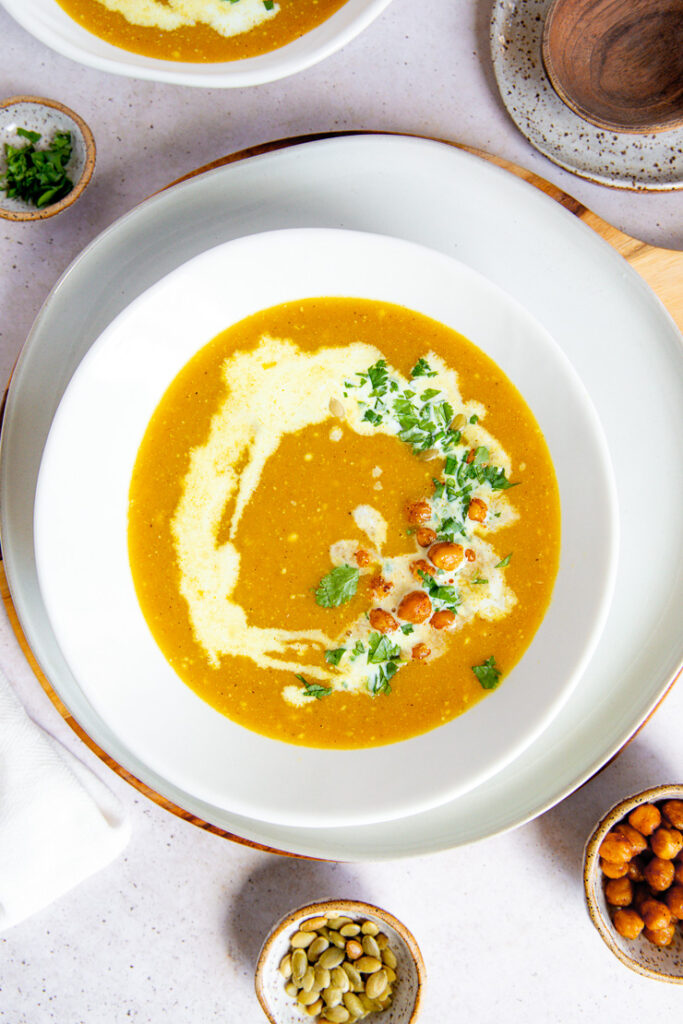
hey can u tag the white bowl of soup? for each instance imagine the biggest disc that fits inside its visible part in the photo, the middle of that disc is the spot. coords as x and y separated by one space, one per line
325 527
207 43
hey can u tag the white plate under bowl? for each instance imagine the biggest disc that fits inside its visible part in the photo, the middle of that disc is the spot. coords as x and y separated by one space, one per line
50 23
81 532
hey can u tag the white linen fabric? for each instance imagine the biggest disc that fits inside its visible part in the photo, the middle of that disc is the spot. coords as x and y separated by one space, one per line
58 823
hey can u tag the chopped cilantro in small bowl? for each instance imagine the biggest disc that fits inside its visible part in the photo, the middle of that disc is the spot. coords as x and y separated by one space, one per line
47 156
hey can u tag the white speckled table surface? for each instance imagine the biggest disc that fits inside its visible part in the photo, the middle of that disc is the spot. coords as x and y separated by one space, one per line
170 931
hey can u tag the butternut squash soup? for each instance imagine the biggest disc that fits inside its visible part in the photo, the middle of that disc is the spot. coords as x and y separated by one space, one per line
200 31
344 523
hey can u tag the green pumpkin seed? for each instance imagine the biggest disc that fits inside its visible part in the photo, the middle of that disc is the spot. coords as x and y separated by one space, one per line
429 454
370 947
299 965
336 1014
340 979
375 985
308 979
349 930
367 964
338 922
354 977
291 989
300 940
312 924
391 975
353 1004
369 928
322 977
332 996
307 998
285 967
318 946
337 409
382 940
314 1009
366 1003
458 421
332 957
336 939
389 958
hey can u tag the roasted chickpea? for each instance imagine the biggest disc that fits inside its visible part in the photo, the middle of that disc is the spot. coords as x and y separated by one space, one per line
477 510
619 892
419 512
420 652
446 555
362 558
641 894
678 872
470 555
443 619
656 915
645 818
674 901
634 869
666 842
673 813
421 565
415 607
616 848
659 874
380 587
382 621
425 536
628 923
635 838
662 936
613 870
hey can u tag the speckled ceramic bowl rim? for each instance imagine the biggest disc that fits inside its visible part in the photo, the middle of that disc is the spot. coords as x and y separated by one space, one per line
89 167
591 865
347 907
579 108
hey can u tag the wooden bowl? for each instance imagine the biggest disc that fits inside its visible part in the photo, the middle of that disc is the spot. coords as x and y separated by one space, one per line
45 117
281 1008
618 63
641 955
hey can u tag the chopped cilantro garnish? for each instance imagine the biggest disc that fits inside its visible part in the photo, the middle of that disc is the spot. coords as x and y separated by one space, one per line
380 648
503 562
385 672
429 393
358 649
269 4
372 417
37 176
407 628
451 463
481 456
479 580
338 587
422 369
487 673
314 689
335 656
474 419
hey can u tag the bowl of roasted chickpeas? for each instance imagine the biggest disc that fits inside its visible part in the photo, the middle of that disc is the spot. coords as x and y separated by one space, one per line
633 876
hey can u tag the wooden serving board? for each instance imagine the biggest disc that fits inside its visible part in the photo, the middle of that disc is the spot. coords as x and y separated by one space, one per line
662 269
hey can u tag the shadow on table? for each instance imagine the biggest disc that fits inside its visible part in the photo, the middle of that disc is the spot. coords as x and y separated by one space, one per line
278 886
565 829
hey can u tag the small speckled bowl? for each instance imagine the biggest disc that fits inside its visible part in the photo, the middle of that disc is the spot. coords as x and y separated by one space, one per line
46 117
662 964
281 1008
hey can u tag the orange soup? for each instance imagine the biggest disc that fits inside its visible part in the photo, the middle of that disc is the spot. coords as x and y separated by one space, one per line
200 31
344 523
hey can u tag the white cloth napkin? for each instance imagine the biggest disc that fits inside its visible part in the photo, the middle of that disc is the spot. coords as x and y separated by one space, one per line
58 823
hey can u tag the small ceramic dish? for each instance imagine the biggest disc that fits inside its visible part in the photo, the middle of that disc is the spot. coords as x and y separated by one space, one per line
45 117
281 1008
641 955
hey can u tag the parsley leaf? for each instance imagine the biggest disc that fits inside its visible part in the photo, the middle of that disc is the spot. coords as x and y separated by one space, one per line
422 369
314 689
335 656
487 673
338 587
503 562
38 176
407 628
380 684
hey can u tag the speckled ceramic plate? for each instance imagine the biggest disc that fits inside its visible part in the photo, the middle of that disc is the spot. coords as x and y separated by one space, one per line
611 326
622 160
